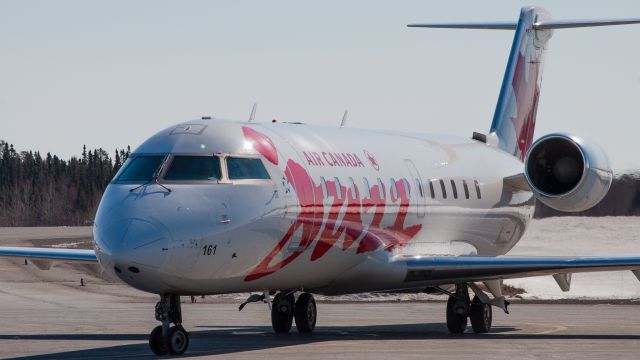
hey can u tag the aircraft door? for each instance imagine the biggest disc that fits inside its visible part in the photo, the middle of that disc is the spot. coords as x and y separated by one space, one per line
299 200
297 191
418 195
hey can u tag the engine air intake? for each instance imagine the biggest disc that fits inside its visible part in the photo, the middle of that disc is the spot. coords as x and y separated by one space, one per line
555 166
568 173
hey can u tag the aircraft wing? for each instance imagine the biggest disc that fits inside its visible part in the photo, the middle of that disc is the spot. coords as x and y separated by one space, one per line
50 254
454 269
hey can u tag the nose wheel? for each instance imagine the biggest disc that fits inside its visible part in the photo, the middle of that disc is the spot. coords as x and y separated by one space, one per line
166 339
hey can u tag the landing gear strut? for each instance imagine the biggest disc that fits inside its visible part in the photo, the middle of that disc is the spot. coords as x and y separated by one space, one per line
166 339
460 307
285 308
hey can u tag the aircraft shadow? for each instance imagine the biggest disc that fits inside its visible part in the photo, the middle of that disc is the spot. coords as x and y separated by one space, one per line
220 340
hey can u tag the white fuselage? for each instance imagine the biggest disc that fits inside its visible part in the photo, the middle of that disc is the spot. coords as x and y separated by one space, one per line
339 205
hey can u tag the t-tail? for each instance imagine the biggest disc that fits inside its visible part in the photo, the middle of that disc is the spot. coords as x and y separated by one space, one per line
515 117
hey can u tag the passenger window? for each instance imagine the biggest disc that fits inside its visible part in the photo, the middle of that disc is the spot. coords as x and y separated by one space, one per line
453 189
194 168
477 189
381 189
246 168
407 188
323 183
338 187
432 190
141 168
444 189
393 188
466 189
352 187
367 189
419 187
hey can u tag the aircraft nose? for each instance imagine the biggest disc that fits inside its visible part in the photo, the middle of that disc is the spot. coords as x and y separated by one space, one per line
130 244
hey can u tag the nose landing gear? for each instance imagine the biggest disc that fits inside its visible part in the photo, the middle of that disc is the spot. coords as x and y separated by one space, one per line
166 339
285 308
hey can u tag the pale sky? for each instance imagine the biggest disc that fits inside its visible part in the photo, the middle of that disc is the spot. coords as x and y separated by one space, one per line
110 74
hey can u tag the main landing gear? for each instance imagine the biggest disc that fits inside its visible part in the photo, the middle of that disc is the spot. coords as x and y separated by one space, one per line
166 339
460 307
285 308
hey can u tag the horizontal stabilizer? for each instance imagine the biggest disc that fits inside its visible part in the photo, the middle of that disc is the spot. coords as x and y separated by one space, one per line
540 25
567 24
471 25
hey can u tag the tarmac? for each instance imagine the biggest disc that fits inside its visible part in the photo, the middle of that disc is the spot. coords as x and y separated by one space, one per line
49 315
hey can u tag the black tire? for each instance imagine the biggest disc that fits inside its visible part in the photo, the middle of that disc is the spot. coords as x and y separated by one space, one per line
157 343
481 316
456 323
305 313
177 341
282 313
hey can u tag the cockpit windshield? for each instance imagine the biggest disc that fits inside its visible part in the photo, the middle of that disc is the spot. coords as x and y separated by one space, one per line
194 168
140 168
246 168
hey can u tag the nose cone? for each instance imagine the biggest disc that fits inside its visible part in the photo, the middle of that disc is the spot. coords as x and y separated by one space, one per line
133 240
134 249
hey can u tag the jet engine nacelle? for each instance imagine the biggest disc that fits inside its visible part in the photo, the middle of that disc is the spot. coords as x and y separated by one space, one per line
568 173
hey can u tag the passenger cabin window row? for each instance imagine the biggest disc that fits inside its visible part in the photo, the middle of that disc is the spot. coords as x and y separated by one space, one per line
191 168
437 188
453 185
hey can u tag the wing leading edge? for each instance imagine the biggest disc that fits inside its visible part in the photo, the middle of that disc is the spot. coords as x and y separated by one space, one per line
455 269
50 254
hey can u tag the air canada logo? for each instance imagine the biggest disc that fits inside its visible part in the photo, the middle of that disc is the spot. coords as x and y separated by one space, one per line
371 159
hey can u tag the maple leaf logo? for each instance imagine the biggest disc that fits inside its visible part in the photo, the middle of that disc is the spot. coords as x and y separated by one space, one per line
372 160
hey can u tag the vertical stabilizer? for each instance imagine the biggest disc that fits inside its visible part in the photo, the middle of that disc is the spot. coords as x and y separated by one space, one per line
515 118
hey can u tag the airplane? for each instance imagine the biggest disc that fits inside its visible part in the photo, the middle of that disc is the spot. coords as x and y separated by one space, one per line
286 210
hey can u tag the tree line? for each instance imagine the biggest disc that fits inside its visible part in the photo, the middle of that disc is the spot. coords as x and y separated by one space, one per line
38 190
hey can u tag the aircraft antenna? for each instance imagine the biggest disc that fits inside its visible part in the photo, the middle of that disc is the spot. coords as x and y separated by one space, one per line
253 112
344 118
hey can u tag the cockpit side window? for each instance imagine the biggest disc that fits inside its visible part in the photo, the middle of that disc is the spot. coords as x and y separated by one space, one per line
140 168
193 168
246 169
